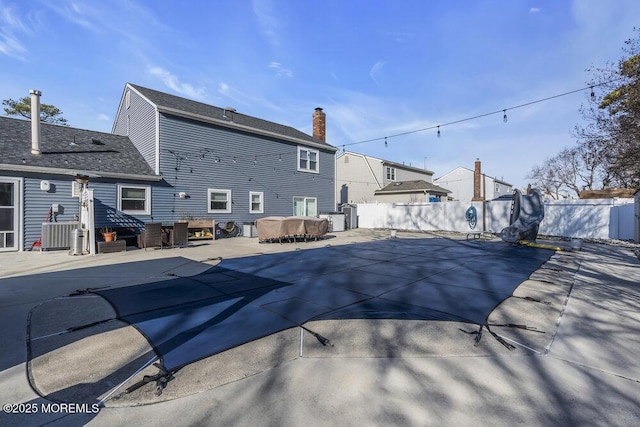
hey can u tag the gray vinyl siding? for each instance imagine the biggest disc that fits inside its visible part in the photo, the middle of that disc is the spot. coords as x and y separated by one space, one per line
37 204
196 156
141 128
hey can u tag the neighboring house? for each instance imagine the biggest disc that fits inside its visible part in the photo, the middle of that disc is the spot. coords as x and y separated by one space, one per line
225 165
418 191
361 179
168 158
472 185
38 174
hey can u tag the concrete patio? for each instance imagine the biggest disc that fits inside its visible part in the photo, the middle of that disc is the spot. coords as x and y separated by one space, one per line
573 363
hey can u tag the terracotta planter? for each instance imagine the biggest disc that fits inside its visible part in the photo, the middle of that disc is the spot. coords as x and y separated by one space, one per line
109 237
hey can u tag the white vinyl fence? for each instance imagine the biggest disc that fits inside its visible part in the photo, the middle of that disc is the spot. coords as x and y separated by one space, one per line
594 219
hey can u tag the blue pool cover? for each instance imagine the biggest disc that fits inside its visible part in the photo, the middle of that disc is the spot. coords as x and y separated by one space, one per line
240 300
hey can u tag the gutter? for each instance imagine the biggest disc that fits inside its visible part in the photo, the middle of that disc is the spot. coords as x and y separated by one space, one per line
74 172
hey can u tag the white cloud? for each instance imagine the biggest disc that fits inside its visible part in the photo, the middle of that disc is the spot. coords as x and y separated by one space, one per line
280 70
534 10
172 82
242 98
267 20
375 71
10 24
103 117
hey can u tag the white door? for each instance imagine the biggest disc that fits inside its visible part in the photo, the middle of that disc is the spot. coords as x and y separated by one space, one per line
10 190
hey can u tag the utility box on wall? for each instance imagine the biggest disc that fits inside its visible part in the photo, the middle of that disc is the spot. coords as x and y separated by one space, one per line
249 230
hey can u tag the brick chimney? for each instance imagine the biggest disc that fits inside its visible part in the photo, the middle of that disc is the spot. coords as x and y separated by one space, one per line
35 122
477 183
319 127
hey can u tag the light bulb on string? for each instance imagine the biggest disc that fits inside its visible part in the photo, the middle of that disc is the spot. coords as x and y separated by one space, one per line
386 144
438 131
504 117
593 94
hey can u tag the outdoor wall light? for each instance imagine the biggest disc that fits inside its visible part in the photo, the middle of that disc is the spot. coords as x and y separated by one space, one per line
183 195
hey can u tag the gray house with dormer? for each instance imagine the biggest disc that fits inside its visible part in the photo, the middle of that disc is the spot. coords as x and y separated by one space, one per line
167 159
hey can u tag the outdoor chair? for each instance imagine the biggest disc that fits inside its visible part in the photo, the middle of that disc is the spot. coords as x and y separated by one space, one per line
180 234
152 235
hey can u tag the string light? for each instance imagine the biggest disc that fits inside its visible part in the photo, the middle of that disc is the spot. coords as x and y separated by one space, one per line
526 104
201 154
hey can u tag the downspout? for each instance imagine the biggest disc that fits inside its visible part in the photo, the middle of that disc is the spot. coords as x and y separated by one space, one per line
484 203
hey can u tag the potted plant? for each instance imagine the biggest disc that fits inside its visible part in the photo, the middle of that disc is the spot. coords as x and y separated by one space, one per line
108 234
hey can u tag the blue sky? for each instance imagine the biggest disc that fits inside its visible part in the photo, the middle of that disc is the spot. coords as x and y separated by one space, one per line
377 68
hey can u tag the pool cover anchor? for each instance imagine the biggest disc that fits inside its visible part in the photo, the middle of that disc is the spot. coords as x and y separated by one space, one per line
498 338
161 379
324 341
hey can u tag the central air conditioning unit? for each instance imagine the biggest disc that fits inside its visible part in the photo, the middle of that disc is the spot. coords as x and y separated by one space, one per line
57 235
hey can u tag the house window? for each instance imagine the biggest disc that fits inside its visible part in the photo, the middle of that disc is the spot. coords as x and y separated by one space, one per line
127 99
219 201
497 188
307 160
134 199
256 203
391 173
76 189
305 206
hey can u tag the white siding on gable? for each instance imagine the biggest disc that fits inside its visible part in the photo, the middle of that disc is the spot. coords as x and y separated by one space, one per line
356 178
460 182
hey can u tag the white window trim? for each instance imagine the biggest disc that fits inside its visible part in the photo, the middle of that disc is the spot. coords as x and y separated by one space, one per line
305 198
147 199
76 189
309 150
218 190
254 193
386 173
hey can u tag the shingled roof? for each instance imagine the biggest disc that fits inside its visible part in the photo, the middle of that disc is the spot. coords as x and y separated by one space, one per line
68 150
412 187
197 110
